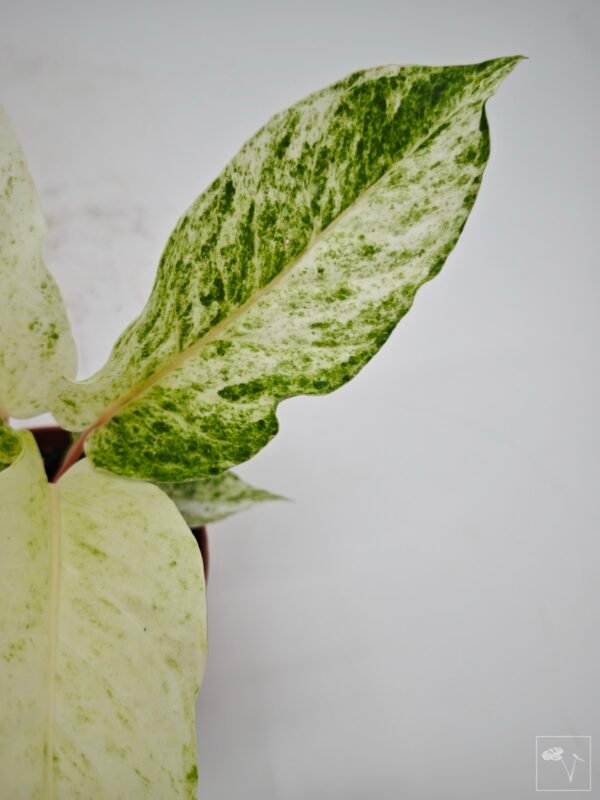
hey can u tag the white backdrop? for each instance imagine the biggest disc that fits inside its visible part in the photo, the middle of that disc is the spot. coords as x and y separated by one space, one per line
429 603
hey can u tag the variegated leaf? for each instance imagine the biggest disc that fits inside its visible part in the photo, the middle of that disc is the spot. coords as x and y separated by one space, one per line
36 346
292 269
213 498
102 637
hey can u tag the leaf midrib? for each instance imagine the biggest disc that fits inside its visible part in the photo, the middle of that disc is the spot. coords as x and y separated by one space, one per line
53 600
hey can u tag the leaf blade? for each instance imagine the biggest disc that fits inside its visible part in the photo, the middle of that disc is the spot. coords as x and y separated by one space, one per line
334 262
24 556
36 346
113 635
215 498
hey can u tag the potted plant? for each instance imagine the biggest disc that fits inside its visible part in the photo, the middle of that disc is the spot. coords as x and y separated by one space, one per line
283 278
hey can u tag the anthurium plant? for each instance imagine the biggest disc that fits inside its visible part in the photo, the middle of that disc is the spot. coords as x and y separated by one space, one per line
283 278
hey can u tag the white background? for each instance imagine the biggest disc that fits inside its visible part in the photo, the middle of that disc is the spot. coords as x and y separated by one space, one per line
430 602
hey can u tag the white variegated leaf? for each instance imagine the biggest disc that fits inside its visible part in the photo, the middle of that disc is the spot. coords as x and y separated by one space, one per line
215 497
102 637
291 270
36 346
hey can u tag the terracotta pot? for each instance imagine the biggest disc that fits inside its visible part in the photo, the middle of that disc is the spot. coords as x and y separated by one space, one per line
54 442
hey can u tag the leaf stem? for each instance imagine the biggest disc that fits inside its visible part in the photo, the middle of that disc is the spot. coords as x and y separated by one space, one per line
73 454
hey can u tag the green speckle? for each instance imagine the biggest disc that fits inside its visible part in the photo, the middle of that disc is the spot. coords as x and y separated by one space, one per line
192 775
369 250
145 780
91 550
343 293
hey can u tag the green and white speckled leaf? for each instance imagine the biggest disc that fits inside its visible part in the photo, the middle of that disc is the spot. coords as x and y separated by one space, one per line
214 498
36 346
102 637
291 270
